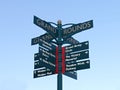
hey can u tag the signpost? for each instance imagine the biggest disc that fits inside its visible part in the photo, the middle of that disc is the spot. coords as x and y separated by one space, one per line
53 58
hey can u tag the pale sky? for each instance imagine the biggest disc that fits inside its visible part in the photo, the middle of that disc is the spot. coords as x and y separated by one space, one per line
17 54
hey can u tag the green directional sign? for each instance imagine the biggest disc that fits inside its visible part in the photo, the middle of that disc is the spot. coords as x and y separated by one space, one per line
47 45
36 56
78 66
42 72
46 26
77 56
48 53
47 57
46 37
43 62
77 47
43 56
68 32
37 64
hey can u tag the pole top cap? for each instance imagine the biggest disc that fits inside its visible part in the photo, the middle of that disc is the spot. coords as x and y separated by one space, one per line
59 22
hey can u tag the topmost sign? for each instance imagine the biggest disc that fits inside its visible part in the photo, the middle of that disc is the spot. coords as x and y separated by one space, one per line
67 32
46 26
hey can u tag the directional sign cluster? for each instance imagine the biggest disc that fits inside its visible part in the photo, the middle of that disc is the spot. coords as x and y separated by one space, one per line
74 56
44 60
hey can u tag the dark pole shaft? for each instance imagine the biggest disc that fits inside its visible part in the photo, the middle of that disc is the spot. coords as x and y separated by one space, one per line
59 77
59 82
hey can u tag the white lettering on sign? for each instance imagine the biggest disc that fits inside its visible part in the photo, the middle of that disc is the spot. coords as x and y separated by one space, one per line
75 55
77 28
45 25
80 63
35 55
69 47
46 43
69 50
67 56
71 65
72 68
47 62
47 37
45 55
51 64
78 45
40 75
41 71
86 52
86 43
47 52
36 60
46 46
48 69
71 59
72 40
36 63
49 73
87 62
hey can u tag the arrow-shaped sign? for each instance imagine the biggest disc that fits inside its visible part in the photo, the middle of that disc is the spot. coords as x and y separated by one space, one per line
46 37
78 66
43 56
42 62
42 72
67 32
77 47
47 45
77 56
49 53
46 26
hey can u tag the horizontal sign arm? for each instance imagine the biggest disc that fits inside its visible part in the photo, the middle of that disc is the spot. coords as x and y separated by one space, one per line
46 26
67 32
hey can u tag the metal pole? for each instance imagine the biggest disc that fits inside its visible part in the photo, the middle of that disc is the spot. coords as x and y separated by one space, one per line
59 77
